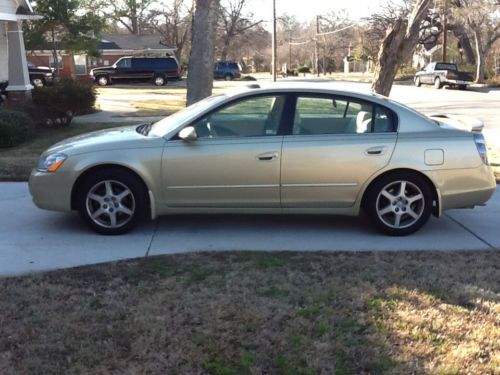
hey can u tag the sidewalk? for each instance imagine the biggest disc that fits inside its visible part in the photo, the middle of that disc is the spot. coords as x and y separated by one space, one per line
35 240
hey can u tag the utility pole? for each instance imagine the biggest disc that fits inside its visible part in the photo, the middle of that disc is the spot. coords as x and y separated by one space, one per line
445 29
274 43
316 47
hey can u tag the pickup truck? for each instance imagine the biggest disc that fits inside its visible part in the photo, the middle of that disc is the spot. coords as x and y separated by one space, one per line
442 74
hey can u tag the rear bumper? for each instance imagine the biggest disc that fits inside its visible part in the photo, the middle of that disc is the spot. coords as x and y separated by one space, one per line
464 188
456 82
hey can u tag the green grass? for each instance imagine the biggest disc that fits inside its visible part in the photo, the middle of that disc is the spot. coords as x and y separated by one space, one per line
17 162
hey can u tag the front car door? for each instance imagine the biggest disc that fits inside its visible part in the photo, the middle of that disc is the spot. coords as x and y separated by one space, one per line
123 70
235 162
334 148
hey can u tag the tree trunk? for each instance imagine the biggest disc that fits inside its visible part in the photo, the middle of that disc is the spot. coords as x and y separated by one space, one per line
54 52
397 46
387 60
225 49
480 57
201 60
463 38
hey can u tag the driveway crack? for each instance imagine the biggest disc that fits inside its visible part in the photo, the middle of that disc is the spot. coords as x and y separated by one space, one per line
471 232
155 229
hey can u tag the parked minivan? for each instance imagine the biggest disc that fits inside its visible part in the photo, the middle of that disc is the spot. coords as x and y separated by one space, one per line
157 70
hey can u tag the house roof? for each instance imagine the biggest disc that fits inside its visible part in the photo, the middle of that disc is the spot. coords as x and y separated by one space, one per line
133 42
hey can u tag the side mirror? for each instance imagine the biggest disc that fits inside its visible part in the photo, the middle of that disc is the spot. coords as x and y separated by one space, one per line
188 134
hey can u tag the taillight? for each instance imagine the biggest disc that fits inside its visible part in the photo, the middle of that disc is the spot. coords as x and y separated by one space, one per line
481 147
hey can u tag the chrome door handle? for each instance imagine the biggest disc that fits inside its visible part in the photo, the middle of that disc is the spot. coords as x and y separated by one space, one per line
268 156
375 150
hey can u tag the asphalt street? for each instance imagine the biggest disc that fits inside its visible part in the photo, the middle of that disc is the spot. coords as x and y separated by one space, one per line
34 240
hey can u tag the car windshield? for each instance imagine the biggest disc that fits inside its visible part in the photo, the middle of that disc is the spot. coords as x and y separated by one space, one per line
165 126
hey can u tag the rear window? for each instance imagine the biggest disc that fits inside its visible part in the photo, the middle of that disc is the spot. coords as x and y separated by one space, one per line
446 67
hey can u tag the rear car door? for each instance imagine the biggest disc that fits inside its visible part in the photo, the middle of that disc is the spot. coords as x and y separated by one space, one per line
235 162
336 144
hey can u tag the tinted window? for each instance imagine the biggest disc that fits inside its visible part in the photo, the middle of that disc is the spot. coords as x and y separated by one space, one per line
124 63
330 115
233 65
253 117
385 121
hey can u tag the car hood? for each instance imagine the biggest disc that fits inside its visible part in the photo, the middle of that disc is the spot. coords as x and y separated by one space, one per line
125 137
102 68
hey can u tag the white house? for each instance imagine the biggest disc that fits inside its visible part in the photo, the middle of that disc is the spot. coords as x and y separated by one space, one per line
13 66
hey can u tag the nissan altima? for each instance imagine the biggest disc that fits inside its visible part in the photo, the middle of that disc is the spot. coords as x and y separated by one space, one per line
300 148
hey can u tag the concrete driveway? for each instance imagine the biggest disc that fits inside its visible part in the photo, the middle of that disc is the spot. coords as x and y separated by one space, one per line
33 240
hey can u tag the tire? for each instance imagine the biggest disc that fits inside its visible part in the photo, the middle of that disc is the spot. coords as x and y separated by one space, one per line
102 80
384 203
228 77
437 83
462 87
112 193
38 82
417 82
159 80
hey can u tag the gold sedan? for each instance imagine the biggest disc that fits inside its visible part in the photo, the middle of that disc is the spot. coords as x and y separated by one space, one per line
279 149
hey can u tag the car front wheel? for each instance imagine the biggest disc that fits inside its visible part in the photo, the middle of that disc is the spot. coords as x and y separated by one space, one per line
102 81
399 204
38 82
417 82
437 83
112 201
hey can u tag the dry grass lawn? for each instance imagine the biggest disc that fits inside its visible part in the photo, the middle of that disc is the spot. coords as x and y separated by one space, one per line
258 313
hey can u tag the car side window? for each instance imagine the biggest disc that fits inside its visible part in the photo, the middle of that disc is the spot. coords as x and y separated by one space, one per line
385 121
331 115
255 117
124 63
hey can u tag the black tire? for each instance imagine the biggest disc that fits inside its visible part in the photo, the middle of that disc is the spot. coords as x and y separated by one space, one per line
417 82
228 77
159 80
462 87
102 80
135 201
437 83
375 202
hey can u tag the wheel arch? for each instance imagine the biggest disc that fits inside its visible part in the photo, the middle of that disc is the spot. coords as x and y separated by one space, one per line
436 208
87 172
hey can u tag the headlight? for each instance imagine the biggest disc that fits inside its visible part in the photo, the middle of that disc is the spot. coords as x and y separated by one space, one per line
91 73
48 74
51 163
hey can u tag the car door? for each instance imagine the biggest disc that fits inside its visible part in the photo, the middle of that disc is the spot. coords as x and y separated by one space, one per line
234 162
123 70
333 149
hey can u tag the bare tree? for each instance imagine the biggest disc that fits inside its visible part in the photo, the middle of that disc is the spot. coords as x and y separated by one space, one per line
234 22
201 61
398 44
483 21
173 23
131 14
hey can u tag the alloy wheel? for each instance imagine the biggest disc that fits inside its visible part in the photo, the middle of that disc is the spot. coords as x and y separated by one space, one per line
400 204
110 204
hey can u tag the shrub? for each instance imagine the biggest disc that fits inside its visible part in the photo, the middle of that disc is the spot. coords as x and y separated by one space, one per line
63 100
15 128
303 69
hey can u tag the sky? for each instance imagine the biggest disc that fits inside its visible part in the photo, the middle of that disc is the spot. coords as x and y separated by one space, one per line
306 10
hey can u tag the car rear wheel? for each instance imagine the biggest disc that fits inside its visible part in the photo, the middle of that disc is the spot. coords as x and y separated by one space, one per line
437 83
38 82
159 81
102 81
399 204
112 201
417 82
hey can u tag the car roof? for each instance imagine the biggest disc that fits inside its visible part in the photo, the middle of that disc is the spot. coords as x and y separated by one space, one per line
334 88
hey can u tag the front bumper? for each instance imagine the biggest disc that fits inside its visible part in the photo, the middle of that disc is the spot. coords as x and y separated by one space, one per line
51 191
